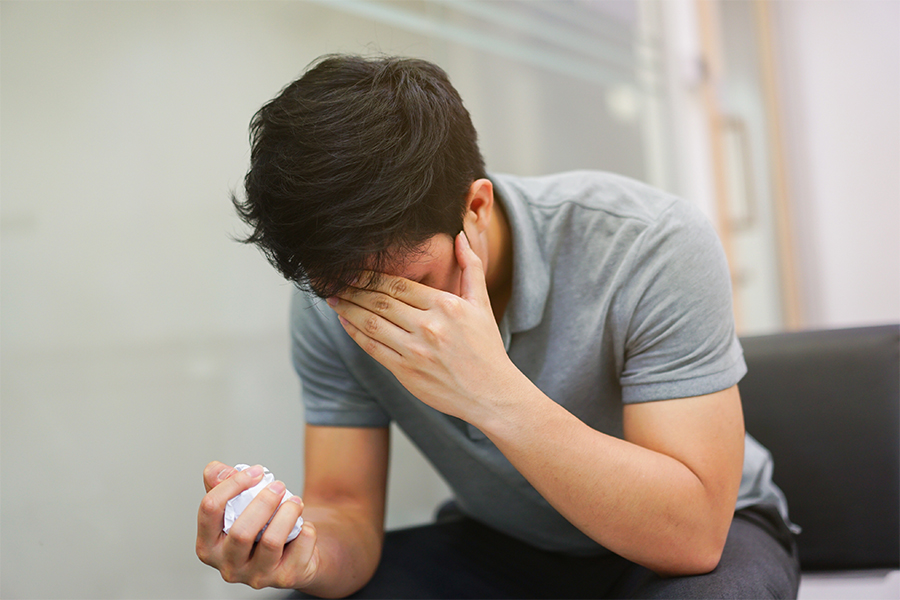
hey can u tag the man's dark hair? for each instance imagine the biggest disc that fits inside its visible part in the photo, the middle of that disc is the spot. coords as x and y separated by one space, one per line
357 164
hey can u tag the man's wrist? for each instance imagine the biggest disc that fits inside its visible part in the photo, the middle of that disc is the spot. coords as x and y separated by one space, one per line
514 396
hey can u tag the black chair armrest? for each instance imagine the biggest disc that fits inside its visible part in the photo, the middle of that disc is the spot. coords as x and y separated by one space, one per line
827 405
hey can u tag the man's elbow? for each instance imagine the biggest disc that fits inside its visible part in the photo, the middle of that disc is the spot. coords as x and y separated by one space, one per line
705 562
697 560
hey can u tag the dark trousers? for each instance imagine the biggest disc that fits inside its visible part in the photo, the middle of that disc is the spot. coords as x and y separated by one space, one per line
458 557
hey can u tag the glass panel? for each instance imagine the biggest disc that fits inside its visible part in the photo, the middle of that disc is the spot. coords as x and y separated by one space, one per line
551 85
745 125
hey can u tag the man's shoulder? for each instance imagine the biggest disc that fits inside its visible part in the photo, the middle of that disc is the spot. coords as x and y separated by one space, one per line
592 191
311 317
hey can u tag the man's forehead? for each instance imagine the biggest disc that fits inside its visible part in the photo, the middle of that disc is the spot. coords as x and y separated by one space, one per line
412 263
431 256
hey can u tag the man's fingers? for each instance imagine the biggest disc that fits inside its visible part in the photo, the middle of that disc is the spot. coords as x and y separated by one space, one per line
378 303
370 345
238 555
302 551
258 513
215 473
238 546
405 290
369 329
270 548
211 516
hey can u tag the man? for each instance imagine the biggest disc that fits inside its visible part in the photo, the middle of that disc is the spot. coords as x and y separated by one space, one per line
560 348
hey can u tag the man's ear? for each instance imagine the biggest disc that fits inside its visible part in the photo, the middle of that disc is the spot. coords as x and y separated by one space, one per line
480 203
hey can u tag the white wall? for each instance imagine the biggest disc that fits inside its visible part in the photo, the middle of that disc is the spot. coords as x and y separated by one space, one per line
138 341
840 77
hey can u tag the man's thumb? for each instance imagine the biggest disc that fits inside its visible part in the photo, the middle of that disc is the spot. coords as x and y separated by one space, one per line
472 283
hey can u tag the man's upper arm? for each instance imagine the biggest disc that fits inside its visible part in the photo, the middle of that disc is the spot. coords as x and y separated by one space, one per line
705 433
675 314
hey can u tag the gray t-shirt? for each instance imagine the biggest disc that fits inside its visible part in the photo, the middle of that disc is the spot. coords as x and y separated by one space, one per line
621 294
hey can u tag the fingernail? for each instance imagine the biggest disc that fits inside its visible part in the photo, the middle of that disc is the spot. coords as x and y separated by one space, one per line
332 301
465 238
296 500
255 471
224 473
276 487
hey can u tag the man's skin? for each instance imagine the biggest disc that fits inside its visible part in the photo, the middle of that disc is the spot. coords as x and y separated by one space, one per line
662 497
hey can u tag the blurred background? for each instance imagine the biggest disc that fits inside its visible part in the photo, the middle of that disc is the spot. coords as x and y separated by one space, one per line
138 341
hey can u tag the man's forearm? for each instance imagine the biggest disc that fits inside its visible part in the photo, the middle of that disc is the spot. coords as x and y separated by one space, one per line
637 502
349 549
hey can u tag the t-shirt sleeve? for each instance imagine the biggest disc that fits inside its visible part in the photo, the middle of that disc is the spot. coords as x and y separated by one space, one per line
679 337
331 394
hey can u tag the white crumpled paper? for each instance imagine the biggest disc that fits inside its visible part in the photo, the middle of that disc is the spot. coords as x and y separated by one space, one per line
235 506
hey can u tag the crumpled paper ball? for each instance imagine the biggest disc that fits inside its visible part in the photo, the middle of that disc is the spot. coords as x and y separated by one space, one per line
235 506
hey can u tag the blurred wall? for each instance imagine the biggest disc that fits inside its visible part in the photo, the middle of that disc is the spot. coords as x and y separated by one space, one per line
839 67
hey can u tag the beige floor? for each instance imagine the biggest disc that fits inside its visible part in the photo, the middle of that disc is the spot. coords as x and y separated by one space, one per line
868 585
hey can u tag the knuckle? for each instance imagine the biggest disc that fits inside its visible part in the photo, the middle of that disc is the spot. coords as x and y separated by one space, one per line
369 346
381 305
447 303
370 325
397 287
208 506
433 330
203 553
242 537
311 532
285 578
280 580
420 356
268 544
452 306
229 575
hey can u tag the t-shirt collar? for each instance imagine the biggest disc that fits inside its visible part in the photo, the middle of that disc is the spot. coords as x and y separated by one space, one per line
531 273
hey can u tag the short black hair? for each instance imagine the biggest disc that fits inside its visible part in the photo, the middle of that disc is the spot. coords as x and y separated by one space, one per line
357 163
